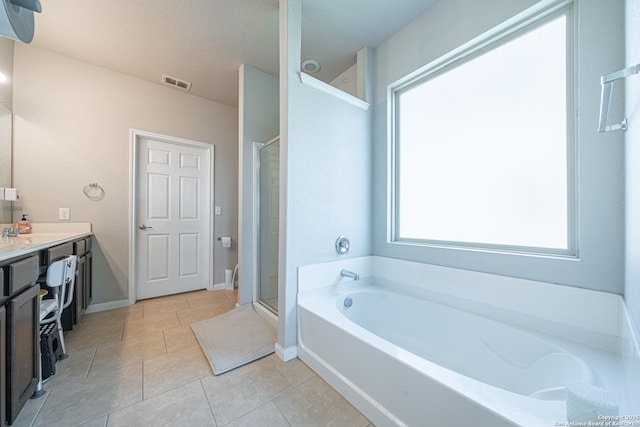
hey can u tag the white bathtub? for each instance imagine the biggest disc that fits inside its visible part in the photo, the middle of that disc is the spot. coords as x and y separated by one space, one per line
404 360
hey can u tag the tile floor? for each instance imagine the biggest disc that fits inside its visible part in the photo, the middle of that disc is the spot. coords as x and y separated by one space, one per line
142 366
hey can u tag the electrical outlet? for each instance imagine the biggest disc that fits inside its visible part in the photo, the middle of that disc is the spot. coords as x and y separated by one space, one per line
63 214
218 210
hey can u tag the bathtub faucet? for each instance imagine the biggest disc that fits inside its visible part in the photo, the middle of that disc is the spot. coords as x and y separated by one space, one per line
349 274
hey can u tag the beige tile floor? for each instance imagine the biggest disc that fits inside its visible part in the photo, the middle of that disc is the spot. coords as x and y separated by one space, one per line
142 366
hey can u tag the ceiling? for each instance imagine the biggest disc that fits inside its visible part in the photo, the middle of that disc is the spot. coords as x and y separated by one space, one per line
205 41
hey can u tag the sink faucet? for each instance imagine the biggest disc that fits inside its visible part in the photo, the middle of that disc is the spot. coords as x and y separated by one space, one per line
13 232
349 274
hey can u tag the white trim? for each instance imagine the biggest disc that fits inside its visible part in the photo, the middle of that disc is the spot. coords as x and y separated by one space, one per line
135 136
218 287
306 79
286 354
104 306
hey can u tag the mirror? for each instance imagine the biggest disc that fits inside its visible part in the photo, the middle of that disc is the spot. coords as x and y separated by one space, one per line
5 160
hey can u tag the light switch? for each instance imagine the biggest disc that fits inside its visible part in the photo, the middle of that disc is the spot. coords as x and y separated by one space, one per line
218 210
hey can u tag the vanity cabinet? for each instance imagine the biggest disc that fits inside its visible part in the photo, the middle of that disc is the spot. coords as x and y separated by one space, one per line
3 361
21 329
83 290
23 338
22 273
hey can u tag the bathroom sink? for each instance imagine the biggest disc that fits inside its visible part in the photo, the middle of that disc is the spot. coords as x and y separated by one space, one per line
9 244
26 243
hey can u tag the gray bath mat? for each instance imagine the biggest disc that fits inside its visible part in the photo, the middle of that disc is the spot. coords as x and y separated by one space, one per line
235 338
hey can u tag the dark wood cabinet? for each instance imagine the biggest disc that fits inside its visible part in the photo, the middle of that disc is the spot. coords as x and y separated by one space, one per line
88 281
57 252
81 272
3 362
83 290
20 278
23 332
83 286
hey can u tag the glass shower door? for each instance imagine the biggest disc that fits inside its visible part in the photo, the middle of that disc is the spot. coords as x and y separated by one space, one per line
269 195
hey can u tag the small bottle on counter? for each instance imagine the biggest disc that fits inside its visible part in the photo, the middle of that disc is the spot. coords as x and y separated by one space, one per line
24 225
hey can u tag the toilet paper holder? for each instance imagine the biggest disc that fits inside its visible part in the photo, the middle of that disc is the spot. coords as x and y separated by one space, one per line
225 240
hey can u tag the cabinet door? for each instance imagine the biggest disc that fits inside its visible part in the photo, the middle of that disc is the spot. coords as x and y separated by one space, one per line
81 273
57 252
3 353
88 281
23 329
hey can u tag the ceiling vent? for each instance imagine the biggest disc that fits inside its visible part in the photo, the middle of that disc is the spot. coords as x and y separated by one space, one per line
172 81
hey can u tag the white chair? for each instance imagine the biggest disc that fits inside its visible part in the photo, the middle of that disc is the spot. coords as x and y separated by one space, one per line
61 277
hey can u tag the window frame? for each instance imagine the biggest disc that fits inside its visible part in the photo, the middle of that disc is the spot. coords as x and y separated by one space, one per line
478 47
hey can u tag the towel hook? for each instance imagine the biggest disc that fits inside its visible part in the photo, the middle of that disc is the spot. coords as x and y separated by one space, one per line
607 81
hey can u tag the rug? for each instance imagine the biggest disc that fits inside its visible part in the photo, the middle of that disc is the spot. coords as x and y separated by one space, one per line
235 338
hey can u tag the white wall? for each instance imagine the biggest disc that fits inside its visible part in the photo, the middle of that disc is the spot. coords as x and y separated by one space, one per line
325 165
258 122
72 123
599 46
632 166
347 80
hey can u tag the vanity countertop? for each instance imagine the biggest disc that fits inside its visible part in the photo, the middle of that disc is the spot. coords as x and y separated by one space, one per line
43 236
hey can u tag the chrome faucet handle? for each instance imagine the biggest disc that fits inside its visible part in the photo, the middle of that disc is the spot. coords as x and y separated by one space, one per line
342 245
8 232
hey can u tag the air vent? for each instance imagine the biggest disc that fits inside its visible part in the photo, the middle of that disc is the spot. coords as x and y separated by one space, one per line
172 81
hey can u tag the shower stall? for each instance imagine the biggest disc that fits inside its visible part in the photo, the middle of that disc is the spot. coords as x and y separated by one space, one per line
268 185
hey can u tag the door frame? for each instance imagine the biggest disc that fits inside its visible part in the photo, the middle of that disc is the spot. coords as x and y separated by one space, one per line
135 136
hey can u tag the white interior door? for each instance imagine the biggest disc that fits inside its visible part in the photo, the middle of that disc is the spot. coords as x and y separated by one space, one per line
173 217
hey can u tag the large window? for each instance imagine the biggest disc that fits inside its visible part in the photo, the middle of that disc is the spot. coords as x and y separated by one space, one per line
482 147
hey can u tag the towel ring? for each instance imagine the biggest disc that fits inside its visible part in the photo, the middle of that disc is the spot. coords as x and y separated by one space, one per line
93 191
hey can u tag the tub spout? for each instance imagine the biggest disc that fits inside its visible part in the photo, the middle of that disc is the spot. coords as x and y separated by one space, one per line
350 274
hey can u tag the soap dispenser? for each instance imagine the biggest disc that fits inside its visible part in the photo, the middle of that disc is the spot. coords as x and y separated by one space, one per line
24 225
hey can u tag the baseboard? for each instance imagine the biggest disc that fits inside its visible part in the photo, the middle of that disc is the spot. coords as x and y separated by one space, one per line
219 287
286 354
104 306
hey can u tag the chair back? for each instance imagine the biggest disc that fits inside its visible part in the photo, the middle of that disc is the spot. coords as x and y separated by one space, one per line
62 274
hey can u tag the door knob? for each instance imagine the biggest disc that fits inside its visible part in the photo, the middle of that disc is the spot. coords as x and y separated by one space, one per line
143 227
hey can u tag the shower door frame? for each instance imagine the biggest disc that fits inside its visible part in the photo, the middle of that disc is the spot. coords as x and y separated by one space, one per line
257 147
